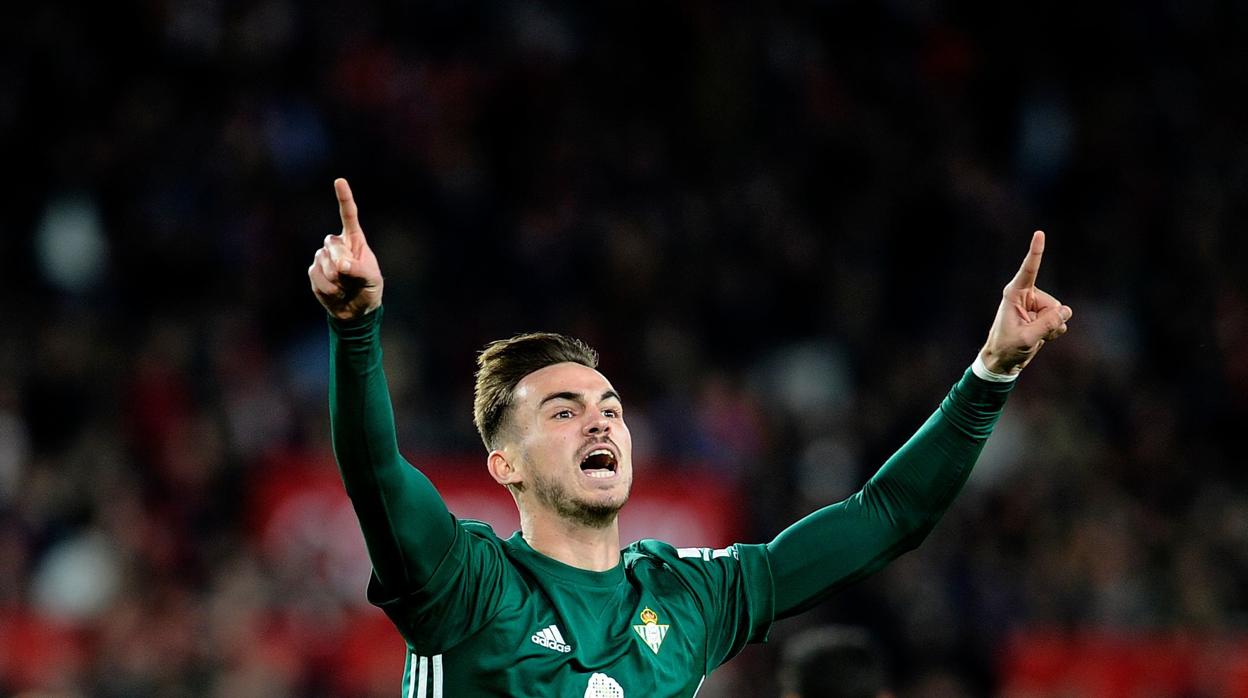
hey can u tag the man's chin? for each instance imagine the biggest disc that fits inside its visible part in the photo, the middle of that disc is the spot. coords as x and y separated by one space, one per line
597 513
590 509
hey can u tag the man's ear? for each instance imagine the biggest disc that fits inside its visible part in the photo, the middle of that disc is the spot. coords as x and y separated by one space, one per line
501 464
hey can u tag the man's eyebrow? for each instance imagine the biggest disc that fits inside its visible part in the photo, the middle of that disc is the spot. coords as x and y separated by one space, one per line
577 397
564 395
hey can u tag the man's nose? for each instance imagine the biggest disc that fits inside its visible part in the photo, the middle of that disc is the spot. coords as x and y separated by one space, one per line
598 425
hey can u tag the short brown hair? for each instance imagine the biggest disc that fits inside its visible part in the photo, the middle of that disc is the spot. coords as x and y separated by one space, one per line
505 362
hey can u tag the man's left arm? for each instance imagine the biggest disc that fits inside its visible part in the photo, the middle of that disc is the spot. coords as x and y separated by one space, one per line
901 503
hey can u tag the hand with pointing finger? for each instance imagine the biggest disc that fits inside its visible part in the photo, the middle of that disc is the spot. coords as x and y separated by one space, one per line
345 276
1026 318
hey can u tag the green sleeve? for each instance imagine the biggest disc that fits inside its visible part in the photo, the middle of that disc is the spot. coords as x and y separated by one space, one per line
895 510
742 601
466 591
406 525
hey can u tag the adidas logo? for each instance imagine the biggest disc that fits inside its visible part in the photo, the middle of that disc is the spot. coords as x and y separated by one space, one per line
550 638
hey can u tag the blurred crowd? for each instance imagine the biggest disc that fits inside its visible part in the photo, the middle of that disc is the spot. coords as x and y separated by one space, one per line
784 225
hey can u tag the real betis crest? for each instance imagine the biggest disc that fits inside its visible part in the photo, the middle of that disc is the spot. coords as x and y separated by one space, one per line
650 631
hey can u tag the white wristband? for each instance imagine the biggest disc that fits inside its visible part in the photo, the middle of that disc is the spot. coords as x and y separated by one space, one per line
979 369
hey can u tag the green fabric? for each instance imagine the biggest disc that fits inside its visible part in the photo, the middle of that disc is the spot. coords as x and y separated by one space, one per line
484 613
483 616
895 510
407 527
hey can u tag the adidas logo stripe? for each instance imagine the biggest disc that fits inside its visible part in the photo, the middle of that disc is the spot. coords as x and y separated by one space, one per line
550 638
424 677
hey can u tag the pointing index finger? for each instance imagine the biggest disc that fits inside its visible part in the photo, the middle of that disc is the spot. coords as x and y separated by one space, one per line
349 213
1027 273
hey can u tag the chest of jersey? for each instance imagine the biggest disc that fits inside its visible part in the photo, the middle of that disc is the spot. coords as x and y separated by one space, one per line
555 638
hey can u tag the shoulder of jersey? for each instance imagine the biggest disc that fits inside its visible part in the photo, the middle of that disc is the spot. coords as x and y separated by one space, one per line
479 529
649 549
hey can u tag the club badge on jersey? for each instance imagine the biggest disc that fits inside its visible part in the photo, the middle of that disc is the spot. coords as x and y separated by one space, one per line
650 631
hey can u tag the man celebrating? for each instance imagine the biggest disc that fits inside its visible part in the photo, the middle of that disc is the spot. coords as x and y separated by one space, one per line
558 609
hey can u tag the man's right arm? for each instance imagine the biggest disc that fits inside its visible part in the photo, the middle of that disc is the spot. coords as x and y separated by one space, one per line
406 525
437 580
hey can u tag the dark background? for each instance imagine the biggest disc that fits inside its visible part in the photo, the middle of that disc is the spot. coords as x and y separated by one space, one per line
785 226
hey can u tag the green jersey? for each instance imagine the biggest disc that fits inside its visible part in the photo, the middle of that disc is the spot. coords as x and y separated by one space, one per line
483 616
654 626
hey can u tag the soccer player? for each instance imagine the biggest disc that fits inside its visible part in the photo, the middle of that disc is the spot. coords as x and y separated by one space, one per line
558 609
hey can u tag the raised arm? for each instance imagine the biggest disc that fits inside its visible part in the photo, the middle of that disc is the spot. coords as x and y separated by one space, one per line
901 503
407 527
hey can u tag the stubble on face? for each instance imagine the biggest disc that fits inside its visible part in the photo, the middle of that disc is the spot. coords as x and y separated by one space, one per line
555 495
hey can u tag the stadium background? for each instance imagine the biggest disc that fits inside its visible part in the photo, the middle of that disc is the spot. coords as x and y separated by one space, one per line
784 225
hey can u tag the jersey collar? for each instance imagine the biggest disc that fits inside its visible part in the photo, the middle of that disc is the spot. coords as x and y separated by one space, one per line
548 565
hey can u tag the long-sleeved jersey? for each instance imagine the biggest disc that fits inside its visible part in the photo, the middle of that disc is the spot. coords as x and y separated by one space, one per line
486 616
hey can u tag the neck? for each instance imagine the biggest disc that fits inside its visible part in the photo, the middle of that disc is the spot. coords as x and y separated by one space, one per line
577 545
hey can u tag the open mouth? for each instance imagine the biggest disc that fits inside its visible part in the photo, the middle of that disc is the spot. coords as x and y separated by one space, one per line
599 463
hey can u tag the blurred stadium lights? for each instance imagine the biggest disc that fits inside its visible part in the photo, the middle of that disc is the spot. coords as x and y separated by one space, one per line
71 249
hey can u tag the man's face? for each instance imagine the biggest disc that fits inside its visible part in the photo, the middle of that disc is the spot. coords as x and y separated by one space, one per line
573 451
